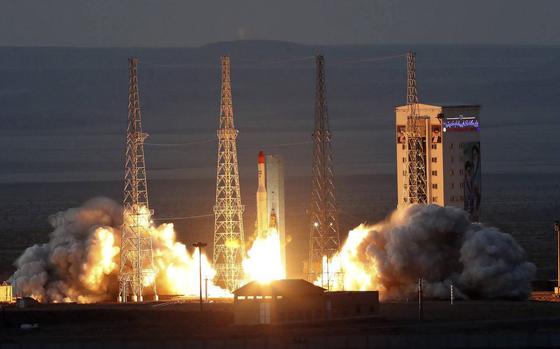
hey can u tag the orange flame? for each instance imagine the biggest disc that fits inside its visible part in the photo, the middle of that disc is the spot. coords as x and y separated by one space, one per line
349 269
176 270
264 261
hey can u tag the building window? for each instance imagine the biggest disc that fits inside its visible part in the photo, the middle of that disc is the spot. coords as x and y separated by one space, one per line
405 200
434 146
403 159
460 145
434 186
461 198
451 146
452 172
434 159
240 297
452 185
434 199
405 186
403 148
434 173
404 172
452 198
461 171
461 185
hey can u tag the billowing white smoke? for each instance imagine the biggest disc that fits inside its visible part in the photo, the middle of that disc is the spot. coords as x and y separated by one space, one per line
443 247
80 261
77 263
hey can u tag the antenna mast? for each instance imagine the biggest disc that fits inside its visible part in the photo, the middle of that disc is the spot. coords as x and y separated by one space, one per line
323 240
229 244
136 263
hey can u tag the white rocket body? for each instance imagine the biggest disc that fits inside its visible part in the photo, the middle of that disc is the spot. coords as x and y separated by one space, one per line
262 201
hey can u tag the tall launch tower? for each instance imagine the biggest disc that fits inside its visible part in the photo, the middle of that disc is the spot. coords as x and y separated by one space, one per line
229 244
415 173
136 264
437 152
323 237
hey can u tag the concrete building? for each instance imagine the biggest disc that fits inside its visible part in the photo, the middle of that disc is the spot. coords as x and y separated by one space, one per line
452 143
275 197
292 301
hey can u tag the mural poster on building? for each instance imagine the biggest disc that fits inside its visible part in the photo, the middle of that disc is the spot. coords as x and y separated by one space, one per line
472 179
401 135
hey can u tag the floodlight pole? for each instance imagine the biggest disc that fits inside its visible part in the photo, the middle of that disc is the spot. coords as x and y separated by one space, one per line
557 231
206 288
452 295
420 299
200 245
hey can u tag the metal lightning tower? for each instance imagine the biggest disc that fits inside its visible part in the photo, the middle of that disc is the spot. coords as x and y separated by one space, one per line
136 264
415 141
323 237
229 243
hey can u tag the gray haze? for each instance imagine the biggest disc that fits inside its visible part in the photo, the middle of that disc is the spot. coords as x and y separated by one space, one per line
158 23
63 114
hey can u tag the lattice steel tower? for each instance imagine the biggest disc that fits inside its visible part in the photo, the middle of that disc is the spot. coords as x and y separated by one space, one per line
136 264
323 237
415 140
229 243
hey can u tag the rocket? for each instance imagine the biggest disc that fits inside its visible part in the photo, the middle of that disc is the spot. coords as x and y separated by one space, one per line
262 210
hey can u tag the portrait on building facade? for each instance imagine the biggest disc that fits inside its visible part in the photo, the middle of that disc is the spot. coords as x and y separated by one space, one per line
472 179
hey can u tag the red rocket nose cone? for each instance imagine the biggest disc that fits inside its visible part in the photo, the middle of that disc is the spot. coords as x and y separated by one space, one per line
261 157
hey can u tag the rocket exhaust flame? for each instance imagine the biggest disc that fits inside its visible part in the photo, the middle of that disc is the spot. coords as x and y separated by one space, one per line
79 263
349 269
264 261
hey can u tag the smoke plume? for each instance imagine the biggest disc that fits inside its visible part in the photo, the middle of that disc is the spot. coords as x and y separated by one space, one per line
443 247
77 263
80 261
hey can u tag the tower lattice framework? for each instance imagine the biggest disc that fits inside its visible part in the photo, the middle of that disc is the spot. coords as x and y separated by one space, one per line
415 141
229 243
136 263
323 238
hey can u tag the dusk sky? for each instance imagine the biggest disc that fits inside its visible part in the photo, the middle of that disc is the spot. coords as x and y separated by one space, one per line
156 23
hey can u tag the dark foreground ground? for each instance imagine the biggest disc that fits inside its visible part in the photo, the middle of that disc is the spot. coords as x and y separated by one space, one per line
467 324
